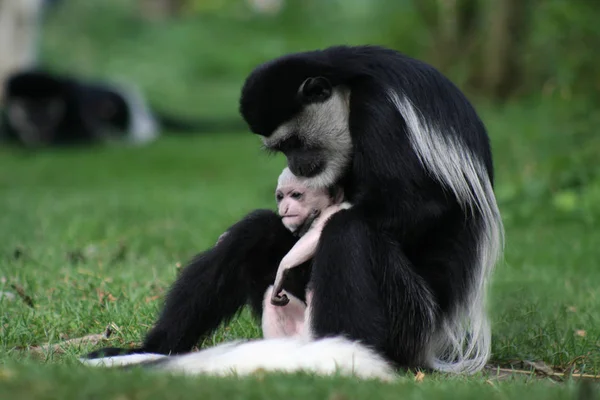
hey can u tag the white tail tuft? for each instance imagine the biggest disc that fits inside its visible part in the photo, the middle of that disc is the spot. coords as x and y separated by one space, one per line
464 345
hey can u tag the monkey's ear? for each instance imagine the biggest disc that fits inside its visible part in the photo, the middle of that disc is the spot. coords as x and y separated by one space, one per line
314 90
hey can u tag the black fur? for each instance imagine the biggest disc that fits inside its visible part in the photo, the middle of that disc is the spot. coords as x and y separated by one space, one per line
388 271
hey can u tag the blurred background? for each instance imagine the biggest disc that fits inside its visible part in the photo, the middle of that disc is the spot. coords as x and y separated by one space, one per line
530 67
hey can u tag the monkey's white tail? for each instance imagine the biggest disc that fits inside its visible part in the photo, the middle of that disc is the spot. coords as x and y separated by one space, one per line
327 356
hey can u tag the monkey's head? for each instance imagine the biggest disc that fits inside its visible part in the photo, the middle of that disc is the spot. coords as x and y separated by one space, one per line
300 107
296 201
35 107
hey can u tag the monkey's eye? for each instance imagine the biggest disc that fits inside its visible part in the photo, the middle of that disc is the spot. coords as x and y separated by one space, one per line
296 195
315 90
279 197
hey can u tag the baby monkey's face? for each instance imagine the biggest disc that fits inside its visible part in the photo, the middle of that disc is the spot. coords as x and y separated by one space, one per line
296 202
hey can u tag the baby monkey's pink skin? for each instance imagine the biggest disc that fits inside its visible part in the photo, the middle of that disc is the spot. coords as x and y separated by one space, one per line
291 320
296 203
303 250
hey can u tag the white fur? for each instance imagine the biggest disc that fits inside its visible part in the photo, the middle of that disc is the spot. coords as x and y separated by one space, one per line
286 177
329 356
325 126
464 345
143 127
118 361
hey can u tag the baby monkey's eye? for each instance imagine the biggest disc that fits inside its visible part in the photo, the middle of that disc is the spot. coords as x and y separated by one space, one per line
279 197
296 195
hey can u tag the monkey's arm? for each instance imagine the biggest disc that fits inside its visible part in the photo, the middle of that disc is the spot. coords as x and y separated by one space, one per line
303 250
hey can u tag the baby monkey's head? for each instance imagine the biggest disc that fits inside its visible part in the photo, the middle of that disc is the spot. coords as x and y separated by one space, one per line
296 202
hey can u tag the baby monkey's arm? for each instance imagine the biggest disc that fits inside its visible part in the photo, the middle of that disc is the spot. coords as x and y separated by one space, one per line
303 250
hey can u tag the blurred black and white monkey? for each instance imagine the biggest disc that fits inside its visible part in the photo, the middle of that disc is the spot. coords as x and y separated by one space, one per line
45 109
403 274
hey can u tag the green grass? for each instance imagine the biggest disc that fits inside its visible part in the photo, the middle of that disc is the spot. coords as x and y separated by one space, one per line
161 204
67 383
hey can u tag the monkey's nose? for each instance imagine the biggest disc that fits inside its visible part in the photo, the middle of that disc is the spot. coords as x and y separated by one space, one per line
282 210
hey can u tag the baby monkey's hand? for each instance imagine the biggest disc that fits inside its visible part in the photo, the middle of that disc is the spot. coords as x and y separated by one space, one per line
301 231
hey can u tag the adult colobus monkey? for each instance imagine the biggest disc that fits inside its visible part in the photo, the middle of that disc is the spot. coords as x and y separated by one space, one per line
405 270
47 109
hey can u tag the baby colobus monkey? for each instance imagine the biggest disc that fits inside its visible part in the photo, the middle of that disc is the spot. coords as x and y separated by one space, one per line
304 211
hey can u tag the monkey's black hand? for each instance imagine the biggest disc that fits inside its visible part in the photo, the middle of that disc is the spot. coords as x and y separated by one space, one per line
279 299
314 214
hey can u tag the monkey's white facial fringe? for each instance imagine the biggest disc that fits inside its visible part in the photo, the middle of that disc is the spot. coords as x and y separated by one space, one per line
464 344
324 126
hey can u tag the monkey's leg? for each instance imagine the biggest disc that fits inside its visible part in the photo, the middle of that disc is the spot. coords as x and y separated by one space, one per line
218 283
365 288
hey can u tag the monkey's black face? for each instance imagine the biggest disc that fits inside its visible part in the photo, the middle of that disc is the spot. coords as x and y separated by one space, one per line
307 163
300 110
303 159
